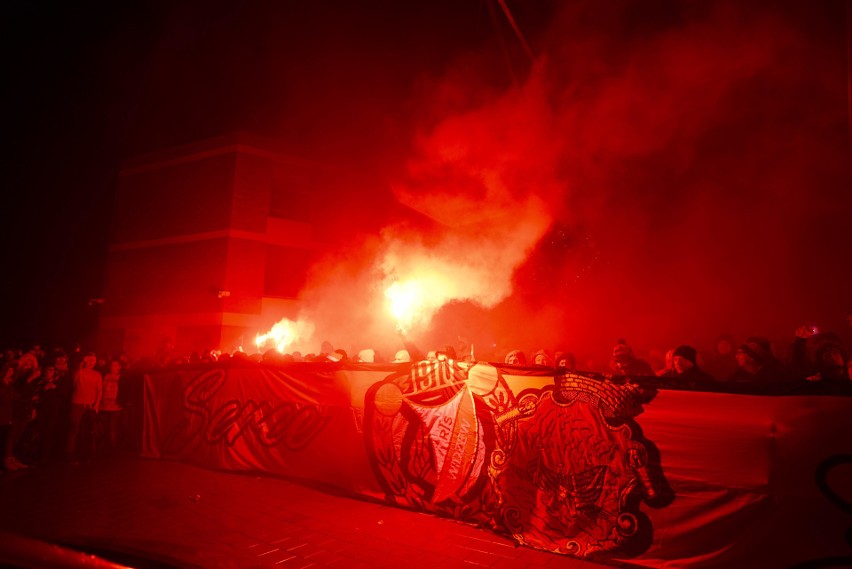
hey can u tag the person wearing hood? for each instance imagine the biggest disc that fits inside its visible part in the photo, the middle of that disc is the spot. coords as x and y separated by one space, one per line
565 360
366 356
401 356
24 385
542 359
687 372
668 369
831 363
625 362
758 364
516 358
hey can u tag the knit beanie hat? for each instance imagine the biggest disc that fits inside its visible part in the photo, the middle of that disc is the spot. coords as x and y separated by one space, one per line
367 356
546 361
522 359
687 352
402 356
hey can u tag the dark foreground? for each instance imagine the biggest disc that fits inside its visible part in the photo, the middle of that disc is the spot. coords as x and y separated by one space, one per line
162 514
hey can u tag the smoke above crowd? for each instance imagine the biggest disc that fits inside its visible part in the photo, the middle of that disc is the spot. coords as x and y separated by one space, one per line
661 176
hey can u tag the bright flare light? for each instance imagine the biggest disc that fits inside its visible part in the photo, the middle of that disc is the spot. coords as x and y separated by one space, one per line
405 300
285 333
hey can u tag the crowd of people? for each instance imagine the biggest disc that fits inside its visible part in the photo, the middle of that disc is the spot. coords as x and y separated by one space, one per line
70 404
66 405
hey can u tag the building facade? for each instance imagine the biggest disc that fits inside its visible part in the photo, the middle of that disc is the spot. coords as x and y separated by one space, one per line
210 245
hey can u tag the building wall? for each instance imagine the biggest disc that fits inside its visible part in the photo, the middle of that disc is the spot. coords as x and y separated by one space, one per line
209 243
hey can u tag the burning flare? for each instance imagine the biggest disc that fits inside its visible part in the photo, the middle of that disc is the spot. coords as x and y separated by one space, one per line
285 333
405 301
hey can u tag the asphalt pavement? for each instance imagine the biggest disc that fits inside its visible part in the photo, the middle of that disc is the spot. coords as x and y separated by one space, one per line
157 513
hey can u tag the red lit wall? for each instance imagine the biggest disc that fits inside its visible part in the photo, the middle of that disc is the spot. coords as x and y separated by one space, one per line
209 243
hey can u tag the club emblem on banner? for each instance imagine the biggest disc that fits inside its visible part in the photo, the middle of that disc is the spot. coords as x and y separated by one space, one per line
579 470
561 468
428 435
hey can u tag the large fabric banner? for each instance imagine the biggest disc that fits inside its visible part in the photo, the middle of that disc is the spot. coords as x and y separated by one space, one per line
614 471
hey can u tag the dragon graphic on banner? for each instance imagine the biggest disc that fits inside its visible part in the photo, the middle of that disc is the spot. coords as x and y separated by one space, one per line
563 468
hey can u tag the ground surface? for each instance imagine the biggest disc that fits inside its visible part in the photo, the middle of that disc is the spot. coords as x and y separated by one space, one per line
190 516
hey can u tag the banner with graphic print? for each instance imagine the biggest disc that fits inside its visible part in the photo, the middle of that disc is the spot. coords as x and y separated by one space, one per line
620 472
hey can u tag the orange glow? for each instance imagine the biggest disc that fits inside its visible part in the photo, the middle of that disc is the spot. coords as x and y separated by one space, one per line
428 285
285 333
405 301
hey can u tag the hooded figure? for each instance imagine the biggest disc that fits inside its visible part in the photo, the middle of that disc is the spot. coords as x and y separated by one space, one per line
758 364
625 363
542 358
516 358
688 374
565 360
366 356
401 357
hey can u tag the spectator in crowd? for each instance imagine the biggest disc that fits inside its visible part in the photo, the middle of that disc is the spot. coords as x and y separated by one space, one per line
7 396
516 358
542 359
724 360
39 354
53 394
401 357
668 369
757 363
625 362
24 388
565 360
65 383
831 362
448 351
103 364
688 374
85 400
800 358
366 356
463 350
110 411
272 356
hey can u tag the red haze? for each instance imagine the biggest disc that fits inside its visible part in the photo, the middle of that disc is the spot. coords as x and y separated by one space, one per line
665 172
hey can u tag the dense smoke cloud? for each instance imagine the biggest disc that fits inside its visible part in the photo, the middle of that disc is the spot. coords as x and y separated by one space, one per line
663 172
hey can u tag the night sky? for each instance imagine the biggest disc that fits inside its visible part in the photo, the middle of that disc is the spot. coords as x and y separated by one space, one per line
674 169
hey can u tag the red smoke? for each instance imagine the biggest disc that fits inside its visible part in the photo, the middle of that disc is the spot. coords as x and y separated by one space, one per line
665 172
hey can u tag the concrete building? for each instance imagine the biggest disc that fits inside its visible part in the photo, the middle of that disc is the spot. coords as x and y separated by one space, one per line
210 245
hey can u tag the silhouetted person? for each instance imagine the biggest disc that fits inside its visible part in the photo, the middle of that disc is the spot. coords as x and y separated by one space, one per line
24 386
625 362
53 397
687 372
516 358
85 400
565 360
757 364
7 396
542 359
668 369
111 413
